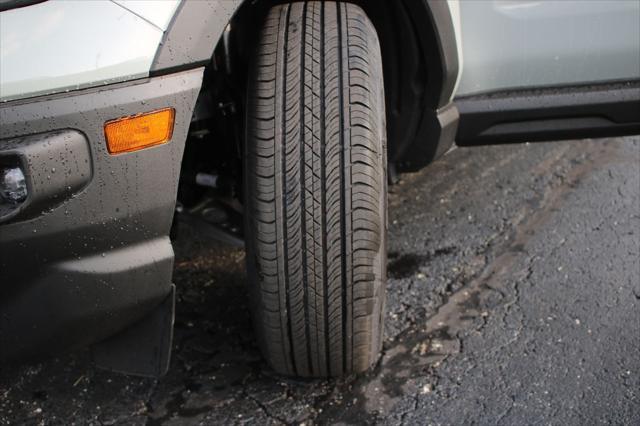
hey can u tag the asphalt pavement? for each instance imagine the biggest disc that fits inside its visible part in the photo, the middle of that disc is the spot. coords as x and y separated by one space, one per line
513 298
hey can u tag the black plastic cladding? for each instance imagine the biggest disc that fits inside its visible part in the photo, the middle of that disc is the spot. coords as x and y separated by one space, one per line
545 114
80 270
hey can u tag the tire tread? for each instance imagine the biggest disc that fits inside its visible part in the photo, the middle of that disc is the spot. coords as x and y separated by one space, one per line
316 190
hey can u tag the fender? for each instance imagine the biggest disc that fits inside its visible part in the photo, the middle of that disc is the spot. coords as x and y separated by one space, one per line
56 46
193 34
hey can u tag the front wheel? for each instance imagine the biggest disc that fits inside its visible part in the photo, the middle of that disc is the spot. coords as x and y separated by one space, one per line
315 174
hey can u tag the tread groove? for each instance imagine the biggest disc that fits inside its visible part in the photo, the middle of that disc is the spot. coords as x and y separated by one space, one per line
302 203
284 191
323 147
345 367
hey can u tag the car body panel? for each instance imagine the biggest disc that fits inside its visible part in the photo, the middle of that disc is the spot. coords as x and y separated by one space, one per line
501 44
454 9
157 12
519 44
58 46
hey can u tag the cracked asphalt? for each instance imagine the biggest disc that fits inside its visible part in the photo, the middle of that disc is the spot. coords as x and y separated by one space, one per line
513 298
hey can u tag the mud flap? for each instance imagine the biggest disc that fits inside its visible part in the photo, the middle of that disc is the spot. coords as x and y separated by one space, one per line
144 349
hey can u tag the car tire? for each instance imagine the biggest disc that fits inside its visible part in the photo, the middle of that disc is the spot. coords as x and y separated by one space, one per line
315 190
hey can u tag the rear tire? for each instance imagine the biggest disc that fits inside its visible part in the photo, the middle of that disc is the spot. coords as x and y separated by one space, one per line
315 174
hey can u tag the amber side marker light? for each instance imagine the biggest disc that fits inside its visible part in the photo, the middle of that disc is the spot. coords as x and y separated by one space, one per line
140 131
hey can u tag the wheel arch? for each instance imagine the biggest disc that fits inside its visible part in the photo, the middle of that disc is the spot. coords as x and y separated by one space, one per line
421 69
419 51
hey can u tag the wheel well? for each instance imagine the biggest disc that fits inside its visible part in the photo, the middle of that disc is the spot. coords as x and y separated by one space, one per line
413 75
418 82
416 71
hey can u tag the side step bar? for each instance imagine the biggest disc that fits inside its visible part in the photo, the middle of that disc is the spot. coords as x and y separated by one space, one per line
549 114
